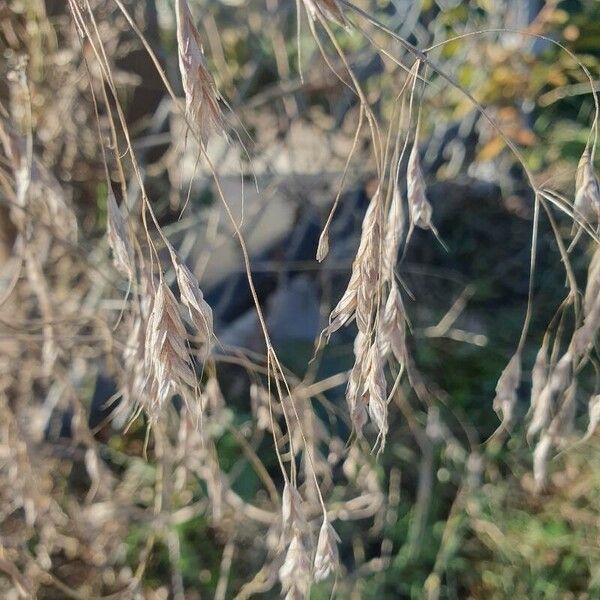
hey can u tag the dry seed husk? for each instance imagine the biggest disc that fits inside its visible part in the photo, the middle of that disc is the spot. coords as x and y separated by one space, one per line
392 327
326 557
294 574
201 95
506 389
587 189
167 357
292 511
393 234
191 296
419 206
118 238
556 385
594 415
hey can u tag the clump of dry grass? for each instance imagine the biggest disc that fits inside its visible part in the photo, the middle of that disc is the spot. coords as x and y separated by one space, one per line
153 354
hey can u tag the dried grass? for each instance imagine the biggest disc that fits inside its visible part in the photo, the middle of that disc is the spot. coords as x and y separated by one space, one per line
153 356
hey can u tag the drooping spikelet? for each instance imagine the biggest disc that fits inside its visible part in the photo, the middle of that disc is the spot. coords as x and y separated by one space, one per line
326 557
587 190
355 396
592 286
201 95
392 327
358 299
191 296
375 388
394 230
557 382
418 204
506 389
167 357
295 571
594 415
539 374
292 512
118 238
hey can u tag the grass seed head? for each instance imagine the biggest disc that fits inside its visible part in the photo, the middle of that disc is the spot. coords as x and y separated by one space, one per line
167 356
191 296
587 189
292 512
327 556
594 415
392 327
393 234
418 204
201 95
506 389
118 238
294 574
540 461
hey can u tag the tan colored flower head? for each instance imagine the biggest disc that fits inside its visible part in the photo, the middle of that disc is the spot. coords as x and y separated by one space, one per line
118 238
587 190
326 557
201 95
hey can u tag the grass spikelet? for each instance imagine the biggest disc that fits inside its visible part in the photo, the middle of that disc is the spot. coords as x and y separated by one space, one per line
562 423
191 296
292 511
295 571
135 368
539 374
506 390
355 397
420 209
166 353
118 238
392 327
375 386
587 189
327 556
201 95
323 247
540 461
592 288
393 234
556 385
584 336
594 416
364 280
